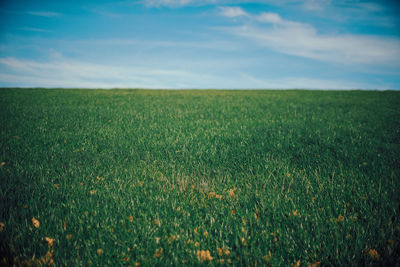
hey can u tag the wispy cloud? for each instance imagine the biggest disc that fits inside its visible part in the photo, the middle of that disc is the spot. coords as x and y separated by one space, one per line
29 29
61 72
47 14
169 3
301 39
316 5
231 12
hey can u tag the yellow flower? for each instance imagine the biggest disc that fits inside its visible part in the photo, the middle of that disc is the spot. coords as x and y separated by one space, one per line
373 254
3 163
100 251
69 236
204 255
100 178
157 222
295 213
92 192
47 259
205 233
137 264
244 241
2 226
195 230
196 244
211 194
218 197
340 218
130 218
158 253
297 264
223 251
35 222
232 192
268 257
50 242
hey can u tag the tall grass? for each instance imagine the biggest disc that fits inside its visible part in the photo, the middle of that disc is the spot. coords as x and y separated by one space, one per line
147 177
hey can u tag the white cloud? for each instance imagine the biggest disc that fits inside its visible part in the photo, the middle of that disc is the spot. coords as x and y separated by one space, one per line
300 39
307 83
232 12
316 5
169 3
269 17
60 72
48 14
29 29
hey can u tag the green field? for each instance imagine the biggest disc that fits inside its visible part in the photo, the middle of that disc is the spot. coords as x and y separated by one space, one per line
156 177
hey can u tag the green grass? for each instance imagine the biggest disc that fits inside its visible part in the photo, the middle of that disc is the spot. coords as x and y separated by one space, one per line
316 174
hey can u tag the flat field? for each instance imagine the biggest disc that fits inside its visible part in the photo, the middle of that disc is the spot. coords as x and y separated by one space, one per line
153 177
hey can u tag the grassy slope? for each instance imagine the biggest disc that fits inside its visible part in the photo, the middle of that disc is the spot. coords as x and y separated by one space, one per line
299 160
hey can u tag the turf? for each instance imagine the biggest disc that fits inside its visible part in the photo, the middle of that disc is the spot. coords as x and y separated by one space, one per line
156 177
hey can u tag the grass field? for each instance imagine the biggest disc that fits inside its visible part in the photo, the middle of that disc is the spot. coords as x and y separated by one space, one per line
119 177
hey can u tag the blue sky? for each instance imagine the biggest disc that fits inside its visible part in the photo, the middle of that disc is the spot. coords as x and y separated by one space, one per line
325 44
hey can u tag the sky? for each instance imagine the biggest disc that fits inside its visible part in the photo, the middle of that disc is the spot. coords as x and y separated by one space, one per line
225 44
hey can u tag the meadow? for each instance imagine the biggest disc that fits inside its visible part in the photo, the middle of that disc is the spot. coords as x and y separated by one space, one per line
199 177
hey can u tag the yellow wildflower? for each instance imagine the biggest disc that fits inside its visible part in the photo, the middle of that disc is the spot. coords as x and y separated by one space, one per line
47 259
69 236
137 264
268 257
204 255
50 242
232 192
205 233
35 222
297 264
340 218
157 222
130 218
223 251
92 192
211 194
100 251
158 253
372 253
196 244
2 226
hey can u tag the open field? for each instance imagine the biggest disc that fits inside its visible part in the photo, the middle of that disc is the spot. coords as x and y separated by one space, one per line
145 177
